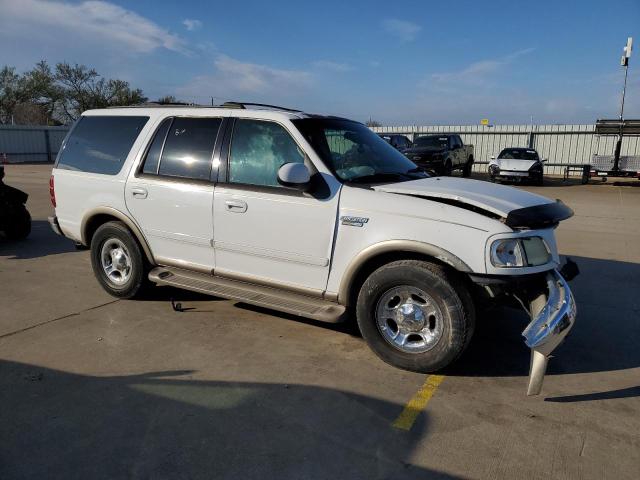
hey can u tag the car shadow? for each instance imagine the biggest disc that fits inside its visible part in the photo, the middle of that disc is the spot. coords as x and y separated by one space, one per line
41 242
630 392
57 424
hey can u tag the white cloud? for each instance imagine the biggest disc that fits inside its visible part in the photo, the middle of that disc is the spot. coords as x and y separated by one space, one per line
233 77
478 71
402 29
333 66
92 23
191 24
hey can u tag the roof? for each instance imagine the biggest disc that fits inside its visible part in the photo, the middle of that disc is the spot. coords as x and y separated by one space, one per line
239 109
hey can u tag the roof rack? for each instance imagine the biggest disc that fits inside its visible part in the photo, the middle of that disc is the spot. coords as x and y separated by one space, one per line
244 105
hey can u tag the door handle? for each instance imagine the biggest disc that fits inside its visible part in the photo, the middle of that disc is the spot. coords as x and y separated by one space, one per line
236 206
138 192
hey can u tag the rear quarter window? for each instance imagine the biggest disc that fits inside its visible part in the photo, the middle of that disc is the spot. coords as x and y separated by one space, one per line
100 144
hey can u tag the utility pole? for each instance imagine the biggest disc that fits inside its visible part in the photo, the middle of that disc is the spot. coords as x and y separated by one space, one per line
625 63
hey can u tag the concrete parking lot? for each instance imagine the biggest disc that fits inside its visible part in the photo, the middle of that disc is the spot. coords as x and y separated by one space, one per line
94 387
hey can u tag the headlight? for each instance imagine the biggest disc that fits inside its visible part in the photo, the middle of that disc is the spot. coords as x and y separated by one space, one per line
519 252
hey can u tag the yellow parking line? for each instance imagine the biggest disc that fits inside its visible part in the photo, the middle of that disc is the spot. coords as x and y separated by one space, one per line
418 403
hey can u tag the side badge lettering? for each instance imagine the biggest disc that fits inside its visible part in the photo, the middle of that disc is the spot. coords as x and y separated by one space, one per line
354 221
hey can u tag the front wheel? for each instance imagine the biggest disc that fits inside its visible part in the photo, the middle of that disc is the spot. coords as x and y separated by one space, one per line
447 169
466 170
415 315
117 260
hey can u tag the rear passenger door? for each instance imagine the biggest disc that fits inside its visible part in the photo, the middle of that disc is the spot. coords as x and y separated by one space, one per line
170 193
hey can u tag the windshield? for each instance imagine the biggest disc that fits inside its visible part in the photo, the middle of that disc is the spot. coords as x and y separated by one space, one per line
356 154
431 141
519 154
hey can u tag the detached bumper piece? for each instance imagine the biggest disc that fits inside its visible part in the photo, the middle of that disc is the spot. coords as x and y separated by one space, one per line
553 315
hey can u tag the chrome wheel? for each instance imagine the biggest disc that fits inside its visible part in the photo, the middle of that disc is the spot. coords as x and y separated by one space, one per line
409 319
116 261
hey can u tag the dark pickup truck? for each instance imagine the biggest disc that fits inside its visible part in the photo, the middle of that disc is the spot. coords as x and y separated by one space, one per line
441 153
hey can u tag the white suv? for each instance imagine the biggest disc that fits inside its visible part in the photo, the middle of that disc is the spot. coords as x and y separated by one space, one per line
311 215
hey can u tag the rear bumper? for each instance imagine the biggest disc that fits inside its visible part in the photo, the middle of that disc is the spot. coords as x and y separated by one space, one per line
55 226
553 315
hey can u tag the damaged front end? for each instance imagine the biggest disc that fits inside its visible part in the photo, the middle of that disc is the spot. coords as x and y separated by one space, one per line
548 300
553 314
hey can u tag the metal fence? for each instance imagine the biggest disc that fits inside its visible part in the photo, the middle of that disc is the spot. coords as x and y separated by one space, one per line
561 145
24 143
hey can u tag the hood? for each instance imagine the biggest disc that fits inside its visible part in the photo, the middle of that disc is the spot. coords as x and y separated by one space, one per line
515 165
499 200
425 150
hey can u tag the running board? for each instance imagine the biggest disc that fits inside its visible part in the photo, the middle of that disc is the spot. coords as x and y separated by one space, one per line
268 297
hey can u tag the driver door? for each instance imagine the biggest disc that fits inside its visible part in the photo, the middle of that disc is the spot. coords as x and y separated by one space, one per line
264 232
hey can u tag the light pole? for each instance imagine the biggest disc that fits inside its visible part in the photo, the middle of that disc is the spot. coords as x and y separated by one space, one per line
624 61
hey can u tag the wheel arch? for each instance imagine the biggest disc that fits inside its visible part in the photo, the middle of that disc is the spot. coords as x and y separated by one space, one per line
101 215
374 256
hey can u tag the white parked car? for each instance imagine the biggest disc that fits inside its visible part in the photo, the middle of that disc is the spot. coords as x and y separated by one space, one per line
517 164
311 215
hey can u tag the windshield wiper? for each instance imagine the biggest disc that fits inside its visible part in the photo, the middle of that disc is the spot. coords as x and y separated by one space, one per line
381 177
421 170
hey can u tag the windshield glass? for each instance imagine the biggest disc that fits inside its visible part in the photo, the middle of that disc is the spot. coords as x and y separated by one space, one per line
519 154
356 154
431 141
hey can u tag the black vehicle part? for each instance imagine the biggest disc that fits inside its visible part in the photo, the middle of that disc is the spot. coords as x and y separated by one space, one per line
15 220
539 216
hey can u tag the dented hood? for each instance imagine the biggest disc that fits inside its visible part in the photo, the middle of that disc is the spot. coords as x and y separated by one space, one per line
500 200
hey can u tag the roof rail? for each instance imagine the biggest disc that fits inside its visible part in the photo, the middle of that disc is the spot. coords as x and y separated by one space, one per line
244 105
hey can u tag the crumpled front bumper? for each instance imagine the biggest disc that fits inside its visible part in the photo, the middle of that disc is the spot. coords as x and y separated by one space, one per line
553 315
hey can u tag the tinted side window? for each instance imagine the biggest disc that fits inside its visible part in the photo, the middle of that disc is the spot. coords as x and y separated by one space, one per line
189 147
152 159
258 150
100 144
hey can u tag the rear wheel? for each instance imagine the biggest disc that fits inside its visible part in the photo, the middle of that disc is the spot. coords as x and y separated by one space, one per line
415 315
117 260
447 168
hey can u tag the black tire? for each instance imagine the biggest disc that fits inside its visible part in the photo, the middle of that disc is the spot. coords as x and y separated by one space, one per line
448 293
19 226
466 170
447 168
539 180
136 281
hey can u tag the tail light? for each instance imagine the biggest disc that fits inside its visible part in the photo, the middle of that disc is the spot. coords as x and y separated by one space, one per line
52 192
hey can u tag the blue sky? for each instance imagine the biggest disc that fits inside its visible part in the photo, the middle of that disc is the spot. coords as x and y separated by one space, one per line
400 63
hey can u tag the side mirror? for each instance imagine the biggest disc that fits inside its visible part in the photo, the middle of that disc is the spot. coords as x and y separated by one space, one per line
542 160
294 175
493 157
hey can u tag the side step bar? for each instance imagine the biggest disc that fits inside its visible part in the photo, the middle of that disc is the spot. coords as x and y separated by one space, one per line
268 297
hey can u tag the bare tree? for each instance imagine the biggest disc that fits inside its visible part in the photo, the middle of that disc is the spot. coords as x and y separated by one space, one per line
11 93
45 96
83 89
373 123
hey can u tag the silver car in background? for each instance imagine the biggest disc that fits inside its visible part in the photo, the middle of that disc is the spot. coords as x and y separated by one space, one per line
517 164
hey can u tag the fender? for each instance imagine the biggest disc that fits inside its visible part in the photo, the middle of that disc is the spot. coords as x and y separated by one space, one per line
125 219
394 246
